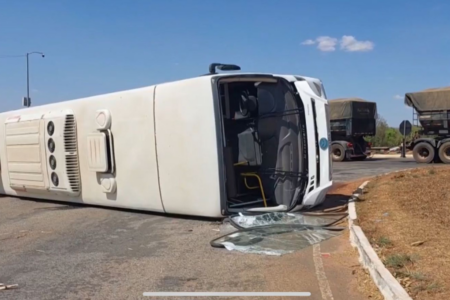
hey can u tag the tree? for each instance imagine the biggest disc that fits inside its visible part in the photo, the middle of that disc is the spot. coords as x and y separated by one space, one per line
385 136
393 137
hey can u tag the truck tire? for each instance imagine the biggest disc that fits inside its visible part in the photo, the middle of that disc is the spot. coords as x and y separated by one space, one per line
423 153
338 152
444 153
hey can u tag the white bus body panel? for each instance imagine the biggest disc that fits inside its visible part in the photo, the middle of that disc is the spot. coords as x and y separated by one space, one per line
317 195
134 146
187 150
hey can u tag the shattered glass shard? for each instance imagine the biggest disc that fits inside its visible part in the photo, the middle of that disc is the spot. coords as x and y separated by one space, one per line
273 241
282 218
278 233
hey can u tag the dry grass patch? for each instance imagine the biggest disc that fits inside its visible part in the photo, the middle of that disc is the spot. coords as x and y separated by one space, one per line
406 217
365 284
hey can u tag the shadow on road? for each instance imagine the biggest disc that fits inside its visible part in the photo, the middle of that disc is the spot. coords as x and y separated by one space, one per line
332 201
60 207
72 205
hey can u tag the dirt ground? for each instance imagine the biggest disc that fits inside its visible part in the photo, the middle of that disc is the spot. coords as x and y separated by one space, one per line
406 217
364 283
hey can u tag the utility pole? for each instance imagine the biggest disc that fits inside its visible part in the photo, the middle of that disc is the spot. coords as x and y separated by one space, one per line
27 100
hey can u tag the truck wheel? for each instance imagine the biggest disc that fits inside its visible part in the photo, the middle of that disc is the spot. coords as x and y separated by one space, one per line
444 153
338 152
423 153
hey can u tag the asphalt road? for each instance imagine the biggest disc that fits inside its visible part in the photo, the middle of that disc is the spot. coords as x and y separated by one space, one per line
352 170
57 251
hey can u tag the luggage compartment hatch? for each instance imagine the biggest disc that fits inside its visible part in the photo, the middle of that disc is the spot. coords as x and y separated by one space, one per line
98 152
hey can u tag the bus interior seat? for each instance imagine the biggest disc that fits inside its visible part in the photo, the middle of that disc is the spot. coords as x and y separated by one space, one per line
243 153
262 140
271 106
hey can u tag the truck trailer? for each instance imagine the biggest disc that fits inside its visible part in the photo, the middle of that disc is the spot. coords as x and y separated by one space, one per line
351 119
433 113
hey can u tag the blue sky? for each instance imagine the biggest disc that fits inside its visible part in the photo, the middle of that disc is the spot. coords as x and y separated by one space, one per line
376 50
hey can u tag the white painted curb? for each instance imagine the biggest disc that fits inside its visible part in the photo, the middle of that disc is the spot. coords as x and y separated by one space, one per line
386 283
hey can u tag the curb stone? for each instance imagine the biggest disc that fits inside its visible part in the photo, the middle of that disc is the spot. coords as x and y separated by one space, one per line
383 279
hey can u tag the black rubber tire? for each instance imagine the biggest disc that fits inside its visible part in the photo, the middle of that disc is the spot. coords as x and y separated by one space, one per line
420 150
444 153
337 152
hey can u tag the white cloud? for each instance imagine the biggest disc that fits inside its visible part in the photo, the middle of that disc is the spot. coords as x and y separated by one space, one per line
347 43
309 42
351 44
324 43
398 97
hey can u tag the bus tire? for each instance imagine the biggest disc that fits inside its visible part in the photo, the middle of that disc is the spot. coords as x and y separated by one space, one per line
423 153
444 153
338 152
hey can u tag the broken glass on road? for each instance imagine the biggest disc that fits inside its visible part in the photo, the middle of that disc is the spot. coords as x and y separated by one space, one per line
278 233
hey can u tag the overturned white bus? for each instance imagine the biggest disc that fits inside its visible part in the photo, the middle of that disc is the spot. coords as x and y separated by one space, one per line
208 146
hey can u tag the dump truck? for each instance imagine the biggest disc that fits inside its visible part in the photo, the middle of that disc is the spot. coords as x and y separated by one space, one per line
432 108
351 120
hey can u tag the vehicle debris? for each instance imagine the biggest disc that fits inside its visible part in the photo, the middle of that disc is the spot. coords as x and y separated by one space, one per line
8 286
277 233
336 209
418 243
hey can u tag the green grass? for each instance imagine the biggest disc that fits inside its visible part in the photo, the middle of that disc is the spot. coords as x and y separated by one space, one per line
384 242
413 275
431 172
398 261
432 287
417 276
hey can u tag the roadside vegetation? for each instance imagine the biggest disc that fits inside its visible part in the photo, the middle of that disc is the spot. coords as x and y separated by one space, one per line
406 217
387 136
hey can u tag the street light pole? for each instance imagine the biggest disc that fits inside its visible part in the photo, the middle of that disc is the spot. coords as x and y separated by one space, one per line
27 103
28 82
